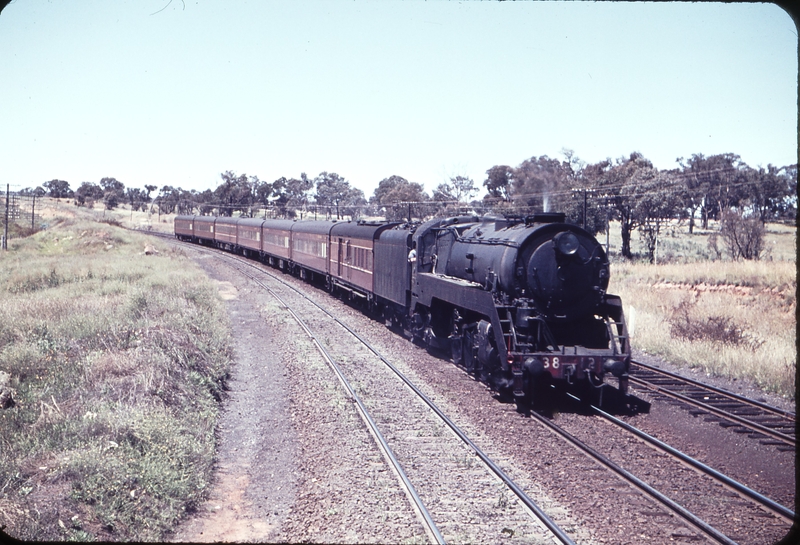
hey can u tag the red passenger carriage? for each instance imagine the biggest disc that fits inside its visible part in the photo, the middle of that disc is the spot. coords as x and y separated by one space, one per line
352 255
225 233
310 241
248 235
276 242
184 227
204 229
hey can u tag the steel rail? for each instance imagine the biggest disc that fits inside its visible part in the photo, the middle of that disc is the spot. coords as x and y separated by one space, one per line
772 505
676 508
755 426
789 415
524 498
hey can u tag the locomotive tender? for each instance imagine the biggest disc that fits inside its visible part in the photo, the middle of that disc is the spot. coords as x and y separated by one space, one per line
520 301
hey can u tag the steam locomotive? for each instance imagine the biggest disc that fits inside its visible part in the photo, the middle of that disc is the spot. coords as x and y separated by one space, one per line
520 302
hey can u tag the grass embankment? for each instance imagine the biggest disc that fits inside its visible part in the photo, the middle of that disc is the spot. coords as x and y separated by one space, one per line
116 362
733 319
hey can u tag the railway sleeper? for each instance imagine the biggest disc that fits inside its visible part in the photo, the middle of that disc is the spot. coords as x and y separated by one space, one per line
729 424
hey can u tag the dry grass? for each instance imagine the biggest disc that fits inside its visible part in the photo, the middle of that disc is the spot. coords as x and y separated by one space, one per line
677 246
116 362
734 319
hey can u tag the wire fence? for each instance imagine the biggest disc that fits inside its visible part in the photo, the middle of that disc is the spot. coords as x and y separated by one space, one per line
17 210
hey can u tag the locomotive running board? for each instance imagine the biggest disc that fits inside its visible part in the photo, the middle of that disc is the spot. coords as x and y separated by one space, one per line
451 290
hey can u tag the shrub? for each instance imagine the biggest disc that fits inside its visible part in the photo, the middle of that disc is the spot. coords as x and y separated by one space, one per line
717 329
744 237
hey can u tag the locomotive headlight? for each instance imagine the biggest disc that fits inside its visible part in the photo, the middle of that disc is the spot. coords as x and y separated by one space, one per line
566 243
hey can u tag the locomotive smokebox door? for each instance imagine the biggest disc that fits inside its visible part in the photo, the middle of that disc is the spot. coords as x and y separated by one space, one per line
561 277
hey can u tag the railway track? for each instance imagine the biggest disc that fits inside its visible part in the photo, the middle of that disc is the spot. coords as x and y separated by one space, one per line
769 425
757 501
434 472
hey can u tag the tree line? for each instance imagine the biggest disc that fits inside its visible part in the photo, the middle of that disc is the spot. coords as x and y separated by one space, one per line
722 188
328 194
630 190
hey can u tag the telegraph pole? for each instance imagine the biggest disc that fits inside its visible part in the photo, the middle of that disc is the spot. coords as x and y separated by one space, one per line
585 192
5 228
584 209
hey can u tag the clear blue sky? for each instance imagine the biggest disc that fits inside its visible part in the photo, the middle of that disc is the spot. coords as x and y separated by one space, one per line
368 89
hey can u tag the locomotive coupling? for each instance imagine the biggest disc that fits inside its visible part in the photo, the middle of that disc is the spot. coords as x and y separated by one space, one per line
615 367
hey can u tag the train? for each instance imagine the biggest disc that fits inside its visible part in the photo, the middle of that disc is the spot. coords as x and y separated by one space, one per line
519 302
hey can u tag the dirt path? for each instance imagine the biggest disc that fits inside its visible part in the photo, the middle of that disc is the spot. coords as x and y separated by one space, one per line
247 504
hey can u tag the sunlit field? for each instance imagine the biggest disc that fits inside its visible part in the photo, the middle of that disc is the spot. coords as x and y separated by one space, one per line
734 319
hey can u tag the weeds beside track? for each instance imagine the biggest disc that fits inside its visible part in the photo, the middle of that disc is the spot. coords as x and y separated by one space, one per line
115 362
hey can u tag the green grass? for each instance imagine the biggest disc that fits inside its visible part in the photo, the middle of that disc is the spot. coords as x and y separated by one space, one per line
117 362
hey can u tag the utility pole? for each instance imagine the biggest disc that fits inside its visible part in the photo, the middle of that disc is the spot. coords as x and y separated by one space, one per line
584 209
5 228
33 211
585 192
608 226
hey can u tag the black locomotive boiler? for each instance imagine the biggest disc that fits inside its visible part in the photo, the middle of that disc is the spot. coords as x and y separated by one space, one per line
521 302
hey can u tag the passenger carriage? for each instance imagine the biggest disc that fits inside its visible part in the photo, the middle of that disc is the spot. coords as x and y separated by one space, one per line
225 233
352 259
310 240
248 236
184 227
276 242
204 229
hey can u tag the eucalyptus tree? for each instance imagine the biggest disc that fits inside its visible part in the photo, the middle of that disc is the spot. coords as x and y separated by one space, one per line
235 193
713 184
398 197
623 184
88 192
336 192
498 183
539 182
137 198
772 192
292 194
167 199
113 192
58 189
655 204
